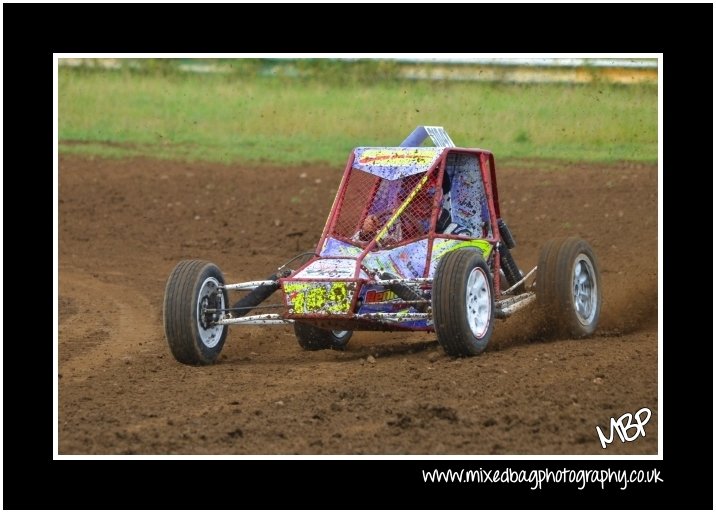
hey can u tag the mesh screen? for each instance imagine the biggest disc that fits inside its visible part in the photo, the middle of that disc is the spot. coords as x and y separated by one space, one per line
370 204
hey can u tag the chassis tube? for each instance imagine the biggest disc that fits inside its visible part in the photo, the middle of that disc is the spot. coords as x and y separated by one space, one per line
256 296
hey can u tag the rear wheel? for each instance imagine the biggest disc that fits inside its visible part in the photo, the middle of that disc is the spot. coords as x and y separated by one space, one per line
568 287
314 338
192 300
463 303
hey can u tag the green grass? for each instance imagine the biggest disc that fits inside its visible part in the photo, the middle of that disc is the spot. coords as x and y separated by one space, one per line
242 117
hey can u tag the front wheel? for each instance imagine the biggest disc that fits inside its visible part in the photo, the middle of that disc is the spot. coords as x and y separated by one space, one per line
568 287
463 303
313 338
193 301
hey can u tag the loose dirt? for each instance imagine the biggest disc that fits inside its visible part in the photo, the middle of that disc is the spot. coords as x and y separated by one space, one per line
124 224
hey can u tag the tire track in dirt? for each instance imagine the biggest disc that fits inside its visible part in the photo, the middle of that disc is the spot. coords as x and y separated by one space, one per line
109 323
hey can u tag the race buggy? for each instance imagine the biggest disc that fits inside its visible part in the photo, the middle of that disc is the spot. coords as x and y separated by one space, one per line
414 242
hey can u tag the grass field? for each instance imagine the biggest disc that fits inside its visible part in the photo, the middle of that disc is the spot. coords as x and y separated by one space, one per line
245 117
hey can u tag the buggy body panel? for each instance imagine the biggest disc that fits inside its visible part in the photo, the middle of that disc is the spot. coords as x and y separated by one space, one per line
403 188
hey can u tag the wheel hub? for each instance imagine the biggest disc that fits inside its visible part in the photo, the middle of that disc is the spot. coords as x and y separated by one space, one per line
478 301
584 289
210 298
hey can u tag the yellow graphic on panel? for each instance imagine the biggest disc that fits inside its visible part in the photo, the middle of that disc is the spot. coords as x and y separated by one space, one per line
443 246
318 297
397 157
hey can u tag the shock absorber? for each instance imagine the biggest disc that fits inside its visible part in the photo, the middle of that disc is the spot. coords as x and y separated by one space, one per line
507 261
403 291
258 295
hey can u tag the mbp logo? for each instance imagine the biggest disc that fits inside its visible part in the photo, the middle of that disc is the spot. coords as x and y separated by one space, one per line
623 424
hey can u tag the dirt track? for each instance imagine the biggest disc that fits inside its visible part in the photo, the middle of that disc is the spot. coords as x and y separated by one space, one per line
123 226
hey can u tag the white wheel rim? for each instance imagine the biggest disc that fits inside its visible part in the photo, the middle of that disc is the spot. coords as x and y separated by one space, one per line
584 289
340 334
479 301
210 335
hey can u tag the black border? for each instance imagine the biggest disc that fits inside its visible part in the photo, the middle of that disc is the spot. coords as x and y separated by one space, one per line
31 33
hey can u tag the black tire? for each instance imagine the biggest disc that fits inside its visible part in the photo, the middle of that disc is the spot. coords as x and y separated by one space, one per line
568 287
192 339
313 338
463 303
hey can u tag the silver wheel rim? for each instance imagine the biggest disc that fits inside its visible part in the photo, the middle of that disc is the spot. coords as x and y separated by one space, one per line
339 334
210 334
584 289
478 300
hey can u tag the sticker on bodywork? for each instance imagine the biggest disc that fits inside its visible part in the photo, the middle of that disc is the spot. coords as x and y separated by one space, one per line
329 268
335 247
406 261
395 162
316 297
444 246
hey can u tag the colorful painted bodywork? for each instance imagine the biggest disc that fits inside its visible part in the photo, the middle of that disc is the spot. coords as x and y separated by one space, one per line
394 163
340 281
